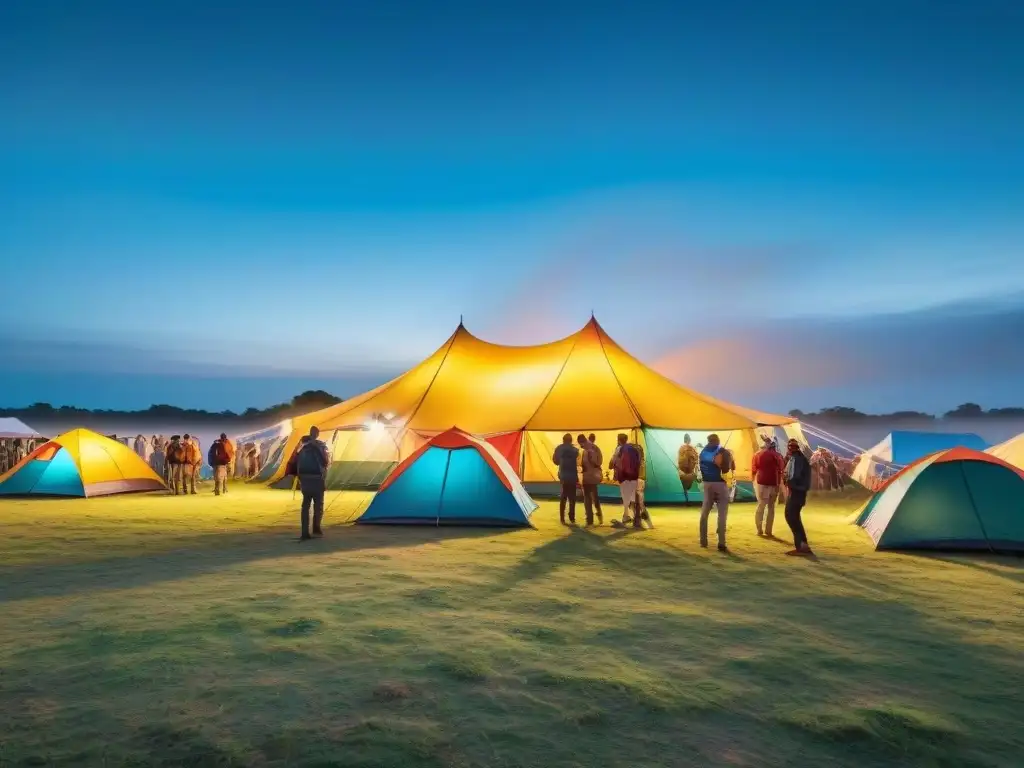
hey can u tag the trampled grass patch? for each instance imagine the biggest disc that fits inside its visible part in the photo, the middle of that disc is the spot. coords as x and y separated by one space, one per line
154 631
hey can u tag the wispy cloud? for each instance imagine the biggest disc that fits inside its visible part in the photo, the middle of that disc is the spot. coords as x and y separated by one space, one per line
970 347
642 271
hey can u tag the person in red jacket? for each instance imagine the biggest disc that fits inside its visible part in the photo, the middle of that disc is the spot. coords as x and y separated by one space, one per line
767 469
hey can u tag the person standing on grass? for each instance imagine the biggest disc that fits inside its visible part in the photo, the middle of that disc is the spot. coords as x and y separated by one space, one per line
565 457
798 481
174 460
190 466
219 459
714 461
590 478
766 469
598 458
229 446
626 464
311 464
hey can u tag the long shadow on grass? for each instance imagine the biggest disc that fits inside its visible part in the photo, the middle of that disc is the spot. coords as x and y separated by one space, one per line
585 545
207 554
1004 566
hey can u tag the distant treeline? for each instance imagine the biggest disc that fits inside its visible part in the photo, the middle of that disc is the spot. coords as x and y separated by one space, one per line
967 411
43 413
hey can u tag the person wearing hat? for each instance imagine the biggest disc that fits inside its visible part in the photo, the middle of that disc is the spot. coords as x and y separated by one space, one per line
766 469
797 479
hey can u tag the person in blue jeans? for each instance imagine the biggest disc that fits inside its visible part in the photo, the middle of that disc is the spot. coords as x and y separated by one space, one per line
716 492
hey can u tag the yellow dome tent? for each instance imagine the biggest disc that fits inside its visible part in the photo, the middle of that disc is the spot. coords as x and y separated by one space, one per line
80 463
582 383
1012 451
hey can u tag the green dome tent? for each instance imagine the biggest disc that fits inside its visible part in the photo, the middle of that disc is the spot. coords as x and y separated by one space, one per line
957 499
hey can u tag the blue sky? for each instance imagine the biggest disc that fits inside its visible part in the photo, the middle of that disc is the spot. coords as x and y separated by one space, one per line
788 204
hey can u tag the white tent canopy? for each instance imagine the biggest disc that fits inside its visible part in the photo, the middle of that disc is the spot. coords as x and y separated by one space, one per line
11 428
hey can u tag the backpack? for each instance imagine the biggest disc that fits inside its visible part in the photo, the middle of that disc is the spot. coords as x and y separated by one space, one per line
310 460
218 455
723 460
176 453
629 463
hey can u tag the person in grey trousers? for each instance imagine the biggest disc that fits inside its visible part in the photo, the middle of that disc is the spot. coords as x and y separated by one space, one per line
716 492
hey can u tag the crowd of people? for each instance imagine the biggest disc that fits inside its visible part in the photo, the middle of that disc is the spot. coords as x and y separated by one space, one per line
13 450
162 455
581 469
711 465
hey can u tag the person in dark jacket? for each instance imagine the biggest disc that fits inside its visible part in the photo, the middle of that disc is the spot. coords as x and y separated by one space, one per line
798 481
311 464
565 457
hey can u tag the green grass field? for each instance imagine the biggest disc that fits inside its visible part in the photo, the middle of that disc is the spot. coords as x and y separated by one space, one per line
196 632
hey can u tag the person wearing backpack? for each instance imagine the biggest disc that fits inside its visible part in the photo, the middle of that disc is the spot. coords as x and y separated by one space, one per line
174 460
311 464
190 465
625 463
715 461
219 458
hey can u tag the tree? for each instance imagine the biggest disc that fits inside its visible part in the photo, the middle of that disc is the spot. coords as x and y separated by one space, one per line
316 398
966 411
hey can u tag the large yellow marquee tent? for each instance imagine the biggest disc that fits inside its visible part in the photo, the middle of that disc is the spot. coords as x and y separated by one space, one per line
524 399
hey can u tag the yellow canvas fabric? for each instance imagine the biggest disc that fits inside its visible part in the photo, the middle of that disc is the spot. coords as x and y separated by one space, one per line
363 445
1012 451
584 382
486 388
538 448
101 460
